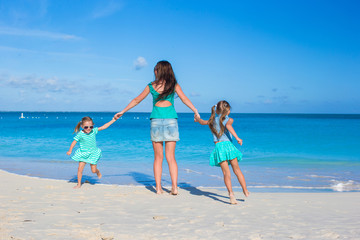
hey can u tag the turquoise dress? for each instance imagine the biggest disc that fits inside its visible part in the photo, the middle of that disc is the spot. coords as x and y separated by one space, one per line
88 151
224 149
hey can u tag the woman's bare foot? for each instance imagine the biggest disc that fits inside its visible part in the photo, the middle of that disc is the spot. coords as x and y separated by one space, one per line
246 193
77 186
99 174
232 199
159 191
174 192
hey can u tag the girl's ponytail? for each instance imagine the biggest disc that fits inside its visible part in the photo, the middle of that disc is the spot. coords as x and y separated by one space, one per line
221 108
77 128
212 120
222 127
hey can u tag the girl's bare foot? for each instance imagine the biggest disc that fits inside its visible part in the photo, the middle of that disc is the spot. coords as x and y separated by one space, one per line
99 174
232 199
246 193
77 186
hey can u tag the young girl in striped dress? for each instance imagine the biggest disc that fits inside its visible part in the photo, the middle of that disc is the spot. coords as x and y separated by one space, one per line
225 153
88 151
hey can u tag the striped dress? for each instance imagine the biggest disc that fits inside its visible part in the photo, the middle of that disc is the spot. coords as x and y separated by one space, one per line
88 151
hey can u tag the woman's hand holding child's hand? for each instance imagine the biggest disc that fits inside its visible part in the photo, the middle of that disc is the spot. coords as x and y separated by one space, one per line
118 115
196 117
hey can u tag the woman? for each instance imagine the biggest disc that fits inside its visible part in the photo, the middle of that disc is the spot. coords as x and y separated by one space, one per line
164 125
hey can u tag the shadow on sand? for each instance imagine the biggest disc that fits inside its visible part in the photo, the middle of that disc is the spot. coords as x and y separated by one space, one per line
85 179
145 180
149 183
198 192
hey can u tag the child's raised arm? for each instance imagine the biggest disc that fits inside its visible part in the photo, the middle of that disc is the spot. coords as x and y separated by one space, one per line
230 128
106 125
199 120
71 147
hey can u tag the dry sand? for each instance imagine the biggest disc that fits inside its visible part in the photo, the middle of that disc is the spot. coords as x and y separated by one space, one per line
34 208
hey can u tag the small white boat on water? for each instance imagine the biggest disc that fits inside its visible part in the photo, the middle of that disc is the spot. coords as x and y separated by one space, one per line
22 116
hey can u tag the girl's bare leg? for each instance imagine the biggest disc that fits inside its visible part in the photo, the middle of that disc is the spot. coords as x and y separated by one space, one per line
235 166
227 180
94 169
158 160
173 167
79 174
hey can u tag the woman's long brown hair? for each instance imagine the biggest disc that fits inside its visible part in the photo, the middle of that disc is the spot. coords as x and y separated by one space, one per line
164 72
222 109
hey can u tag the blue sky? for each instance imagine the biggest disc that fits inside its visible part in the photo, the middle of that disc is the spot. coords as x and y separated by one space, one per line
261 56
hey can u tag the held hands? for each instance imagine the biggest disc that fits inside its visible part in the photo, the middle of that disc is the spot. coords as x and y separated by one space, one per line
118 115
197 114
197 117
69 152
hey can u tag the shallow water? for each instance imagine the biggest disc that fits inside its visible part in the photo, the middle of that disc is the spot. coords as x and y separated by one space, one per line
281 152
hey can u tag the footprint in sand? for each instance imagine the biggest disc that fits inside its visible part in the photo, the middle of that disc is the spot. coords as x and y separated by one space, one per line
159 217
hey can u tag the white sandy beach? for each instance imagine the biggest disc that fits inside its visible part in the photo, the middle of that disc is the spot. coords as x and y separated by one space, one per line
34 208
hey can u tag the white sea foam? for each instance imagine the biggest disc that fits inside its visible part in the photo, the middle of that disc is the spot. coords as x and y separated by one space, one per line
345 186
216 176
317 176
337 186
288 187
192 171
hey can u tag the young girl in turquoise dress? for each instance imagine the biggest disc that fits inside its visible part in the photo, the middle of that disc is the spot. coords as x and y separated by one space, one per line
88 151
163 118
225 153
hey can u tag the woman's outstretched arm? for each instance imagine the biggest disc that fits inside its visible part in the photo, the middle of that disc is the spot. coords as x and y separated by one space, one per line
185 99
133 102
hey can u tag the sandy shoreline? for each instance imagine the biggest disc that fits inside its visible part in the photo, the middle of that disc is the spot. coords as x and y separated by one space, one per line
34 208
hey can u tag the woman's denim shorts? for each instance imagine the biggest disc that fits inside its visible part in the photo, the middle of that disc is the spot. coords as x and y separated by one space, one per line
164 130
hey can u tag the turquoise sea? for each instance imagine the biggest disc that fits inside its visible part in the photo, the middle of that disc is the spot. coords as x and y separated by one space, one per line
281 152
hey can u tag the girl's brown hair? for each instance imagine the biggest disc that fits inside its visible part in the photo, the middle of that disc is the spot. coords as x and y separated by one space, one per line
164 72
84 119
222 108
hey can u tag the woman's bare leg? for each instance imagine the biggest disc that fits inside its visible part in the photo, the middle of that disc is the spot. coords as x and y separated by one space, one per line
158 160
240 176
173 167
